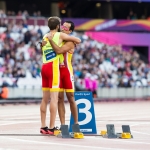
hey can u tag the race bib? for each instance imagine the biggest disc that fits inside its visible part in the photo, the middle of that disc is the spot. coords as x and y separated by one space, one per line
50 55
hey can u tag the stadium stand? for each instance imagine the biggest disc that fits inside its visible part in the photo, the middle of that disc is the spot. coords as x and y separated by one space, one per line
98 67
102 66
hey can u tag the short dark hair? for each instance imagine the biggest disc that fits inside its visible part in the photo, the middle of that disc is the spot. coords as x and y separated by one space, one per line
72 25
53 23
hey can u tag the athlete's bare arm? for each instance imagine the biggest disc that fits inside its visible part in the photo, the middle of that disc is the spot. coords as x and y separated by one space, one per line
65 48
66 37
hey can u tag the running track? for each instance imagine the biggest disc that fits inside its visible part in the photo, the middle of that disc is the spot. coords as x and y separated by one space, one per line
25 120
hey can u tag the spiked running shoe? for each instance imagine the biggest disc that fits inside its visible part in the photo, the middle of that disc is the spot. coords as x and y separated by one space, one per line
46 130
55 130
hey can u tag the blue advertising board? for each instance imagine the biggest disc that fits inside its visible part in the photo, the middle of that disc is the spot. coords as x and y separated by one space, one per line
86 113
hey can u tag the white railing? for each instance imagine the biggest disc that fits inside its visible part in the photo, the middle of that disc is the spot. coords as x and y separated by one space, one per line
102 93
123 92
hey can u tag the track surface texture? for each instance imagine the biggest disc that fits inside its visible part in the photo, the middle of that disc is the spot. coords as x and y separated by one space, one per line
20 124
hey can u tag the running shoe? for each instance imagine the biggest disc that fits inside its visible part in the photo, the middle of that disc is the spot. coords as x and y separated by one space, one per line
52 130
45 130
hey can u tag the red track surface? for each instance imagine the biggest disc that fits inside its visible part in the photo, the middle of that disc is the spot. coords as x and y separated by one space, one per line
25 119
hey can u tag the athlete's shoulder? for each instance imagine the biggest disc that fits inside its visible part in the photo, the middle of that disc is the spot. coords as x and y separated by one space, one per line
45 35
62 34
58 32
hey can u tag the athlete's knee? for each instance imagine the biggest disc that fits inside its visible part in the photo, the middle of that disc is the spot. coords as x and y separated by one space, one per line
43 110
70 97
54 97
43 106
60 98
46 97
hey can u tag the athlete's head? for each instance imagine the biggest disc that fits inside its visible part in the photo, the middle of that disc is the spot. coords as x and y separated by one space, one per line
68 27
54 23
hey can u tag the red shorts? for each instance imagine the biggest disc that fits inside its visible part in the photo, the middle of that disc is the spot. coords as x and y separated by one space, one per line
51 76
66 79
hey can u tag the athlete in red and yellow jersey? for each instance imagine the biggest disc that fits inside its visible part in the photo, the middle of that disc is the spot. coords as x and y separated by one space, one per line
66 74
51 74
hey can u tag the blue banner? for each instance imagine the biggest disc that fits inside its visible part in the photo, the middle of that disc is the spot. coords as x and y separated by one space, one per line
86 113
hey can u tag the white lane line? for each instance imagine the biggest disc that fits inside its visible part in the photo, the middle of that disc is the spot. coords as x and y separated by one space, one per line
124 115
17 118
139 124
18 122
7 149
17 114
70 145
141 132
120 140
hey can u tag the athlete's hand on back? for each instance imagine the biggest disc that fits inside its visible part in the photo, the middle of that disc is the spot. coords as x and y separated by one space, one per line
43 43
50 36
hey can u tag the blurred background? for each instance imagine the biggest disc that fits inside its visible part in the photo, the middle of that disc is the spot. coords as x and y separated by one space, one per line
113 60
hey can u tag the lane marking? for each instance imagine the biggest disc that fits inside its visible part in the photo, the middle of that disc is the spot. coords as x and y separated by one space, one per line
141 132
137 124
72 145
18 122
120 140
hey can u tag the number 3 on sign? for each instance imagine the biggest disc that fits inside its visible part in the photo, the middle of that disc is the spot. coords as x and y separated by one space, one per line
85 110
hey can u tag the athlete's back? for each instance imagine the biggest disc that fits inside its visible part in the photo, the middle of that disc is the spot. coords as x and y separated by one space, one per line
49 54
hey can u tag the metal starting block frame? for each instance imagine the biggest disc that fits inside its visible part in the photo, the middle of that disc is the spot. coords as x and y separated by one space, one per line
110 133
75 134
64 132
126 132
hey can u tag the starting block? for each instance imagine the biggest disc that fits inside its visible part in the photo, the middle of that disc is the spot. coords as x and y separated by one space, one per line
126 136
64 132
56 132
77 135
126 133
76 132
75 128
103 132
111 131
126 129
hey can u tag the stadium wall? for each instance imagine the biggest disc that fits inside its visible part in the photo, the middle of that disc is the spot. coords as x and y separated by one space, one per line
102 93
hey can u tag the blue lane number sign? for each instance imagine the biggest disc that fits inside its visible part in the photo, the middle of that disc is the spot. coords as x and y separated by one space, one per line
86 114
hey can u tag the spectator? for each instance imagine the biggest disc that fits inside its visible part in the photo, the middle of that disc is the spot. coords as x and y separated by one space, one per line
4 91
95 64
2 14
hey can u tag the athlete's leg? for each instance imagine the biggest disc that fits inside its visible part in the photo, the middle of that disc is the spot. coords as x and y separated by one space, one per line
53 108
46 95
73 106
43 107
61 108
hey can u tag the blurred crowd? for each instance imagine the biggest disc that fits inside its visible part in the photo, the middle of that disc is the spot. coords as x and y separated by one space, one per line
95 64
20 14
25 14
133 16
19 55
100 65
